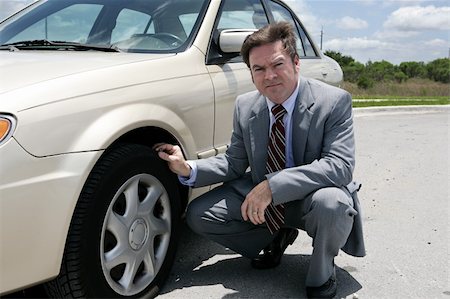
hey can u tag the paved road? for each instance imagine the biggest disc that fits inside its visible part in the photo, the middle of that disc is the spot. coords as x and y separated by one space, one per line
403 163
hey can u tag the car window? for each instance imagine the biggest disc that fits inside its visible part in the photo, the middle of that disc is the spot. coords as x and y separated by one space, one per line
158 25
72 24
235 14
188 21
242 14
130 22
143 26
280 13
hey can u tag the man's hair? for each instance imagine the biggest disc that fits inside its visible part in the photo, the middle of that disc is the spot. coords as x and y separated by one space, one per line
282 31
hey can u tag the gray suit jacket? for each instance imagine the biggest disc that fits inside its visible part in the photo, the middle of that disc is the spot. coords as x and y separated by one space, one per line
323 147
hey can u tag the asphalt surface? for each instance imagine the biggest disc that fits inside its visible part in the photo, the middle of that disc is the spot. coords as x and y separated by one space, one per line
403 164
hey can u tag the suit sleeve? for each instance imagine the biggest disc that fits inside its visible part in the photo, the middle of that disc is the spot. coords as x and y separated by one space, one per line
335 165
230 165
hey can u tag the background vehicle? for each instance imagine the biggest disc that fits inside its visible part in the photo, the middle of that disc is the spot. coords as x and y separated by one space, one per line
86 88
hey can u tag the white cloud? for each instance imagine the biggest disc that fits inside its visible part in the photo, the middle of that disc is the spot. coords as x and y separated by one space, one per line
389 3
365 49
312 23
419 18
8 7
394 35
303 11
361 49
437 47
438 43
352 43
367 2
350 23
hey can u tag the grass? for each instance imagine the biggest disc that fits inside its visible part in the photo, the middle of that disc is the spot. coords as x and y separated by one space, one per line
399 102
412 92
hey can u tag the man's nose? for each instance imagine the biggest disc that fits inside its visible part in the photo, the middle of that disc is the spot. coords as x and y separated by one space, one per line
270 74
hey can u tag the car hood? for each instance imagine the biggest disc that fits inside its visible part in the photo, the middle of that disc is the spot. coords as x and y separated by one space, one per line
27 70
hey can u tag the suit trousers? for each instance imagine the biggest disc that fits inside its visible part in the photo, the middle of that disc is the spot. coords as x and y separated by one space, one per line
326 215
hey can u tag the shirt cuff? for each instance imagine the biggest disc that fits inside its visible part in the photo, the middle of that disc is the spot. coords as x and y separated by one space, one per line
190 180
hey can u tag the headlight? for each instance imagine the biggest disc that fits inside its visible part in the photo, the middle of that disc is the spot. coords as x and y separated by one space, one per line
7 126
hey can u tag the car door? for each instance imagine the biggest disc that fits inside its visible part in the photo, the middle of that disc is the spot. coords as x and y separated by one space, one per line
231 77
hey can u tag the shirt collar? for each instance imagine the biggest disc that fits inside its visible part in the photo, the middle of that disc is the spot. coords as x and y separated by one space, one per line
288 104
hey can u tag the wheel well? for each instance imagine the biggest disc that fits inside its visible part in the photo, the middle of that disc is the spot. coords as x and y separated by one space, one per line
149 136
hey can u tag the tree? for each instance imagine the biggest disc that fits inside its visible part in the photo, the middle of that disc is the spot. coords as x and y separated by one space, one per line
353 71
413 69
365 83
380 70
365 75
439 70
400 76
341 59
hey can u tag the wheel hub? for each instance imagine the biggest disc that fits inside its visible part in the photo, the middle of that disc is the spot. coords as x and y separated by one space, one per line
138 234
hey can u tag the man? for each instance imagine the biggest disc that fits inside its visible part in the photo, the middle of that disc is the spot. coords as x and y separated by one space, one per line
296 135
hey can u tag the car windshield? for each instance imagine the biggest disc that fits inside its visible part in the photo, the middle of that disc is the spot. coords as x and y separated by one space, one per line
126 25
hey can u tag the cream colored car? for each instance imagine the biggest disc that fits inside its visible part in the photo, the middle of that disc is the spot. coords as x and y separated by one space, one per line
86 88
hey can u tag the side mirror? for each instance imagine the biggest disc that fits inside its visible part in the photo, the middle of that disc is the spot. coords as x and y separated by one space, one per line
231 40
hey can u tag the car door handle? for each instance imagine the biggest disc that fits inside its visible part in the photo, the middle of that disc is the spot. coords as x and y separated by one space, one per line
206 154
222 149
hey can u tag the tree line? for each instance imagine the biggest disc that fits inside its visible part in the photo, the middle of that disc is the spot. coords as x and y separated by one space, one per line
365 75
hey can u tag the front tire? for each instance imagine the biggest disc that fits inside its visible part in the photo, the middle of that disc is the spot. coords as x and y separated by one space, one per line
124 231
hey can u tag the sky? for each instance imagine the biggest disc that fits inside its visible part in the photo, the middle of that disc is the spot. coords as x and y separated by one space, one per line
367 30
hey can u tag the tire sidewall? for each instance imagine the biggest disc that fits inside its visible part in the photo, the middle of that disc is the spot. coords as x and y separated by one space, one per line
138 160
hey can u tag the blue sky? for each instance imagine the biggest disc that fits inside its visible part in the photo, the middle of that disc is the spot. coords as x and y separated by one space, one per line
392 30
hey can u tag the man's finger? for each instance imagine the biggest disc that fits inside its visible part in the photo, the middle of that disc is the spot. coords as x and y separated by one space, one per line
163 155
261 218
164 147
254 217
244 210
157 145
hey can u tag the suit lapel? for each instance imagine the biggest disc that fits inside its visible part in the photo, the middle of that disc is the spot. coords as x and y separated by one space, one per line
301 121
259 129
259 137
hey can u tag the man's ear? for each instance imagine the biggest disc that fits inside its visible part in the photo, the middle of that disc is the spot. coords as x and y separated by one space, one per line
297 63
251 74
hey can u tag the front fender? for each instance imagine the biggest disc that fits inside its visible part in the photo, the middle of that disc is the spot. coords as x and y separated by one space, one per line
102 134
93 122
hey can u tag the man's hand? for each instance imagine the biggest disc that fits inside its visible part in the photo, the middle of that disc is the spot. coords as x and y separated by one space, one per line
256 203
173 155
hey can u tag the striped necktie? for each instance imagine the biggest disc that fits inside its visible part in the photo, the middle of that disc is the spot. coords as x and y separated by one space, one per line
276 161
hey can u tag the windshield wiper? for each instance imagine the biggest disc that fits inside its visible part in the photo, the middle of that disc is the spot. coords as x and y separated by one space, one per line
58 45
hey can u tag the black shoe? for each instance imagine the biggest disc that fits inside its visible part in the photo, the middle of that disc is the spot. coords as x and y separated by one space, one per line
327 290
274 251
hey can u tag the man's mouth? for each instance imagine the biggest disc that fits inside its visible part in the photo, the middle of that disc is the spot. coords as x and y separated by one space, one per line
273 85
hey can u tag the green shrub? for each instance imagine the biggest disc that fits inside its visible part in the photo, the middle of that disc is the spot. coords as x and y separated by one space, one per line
400 77
439 70
353 71
365 83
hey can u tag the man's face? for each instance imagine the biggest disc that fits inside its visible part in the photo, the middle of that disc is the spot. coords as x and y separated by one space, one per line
273 72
